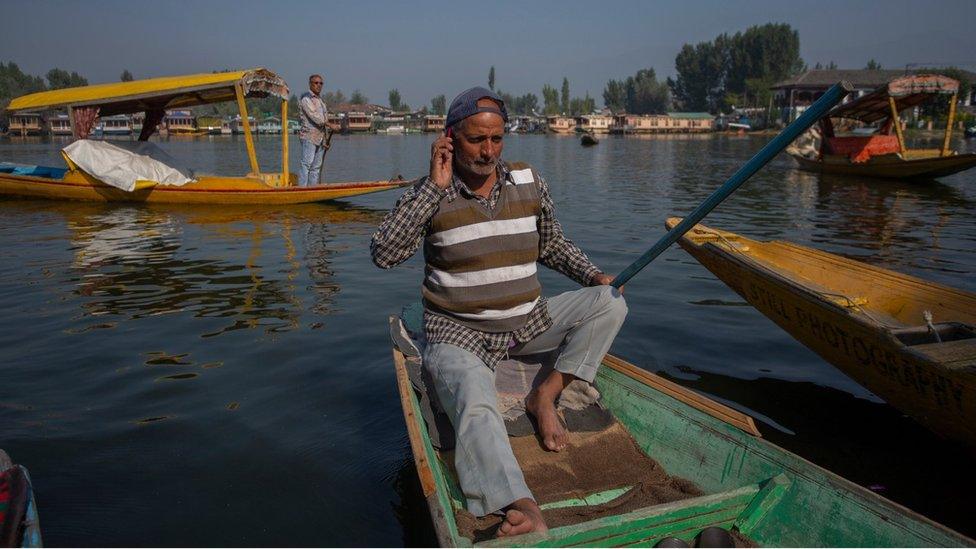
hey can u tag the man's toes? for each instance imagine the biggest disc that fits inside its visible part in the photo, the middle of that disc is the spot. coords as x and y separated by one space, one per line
553 443
516 522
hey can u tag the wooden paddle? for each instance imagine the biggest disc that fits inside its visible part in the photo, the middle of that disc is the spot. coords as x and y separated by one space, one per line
814 112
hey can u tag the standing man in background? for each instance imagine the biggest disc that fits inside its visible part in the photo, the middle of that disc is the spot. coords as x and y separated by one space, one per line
314 131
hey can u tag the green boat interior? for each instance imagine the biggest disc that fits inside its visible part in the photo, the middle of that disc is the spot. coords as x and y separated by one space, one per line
663 462
603 473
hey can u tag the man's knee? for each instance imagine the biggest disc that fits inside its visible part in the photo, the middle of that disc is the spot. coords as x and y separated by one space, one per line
610 299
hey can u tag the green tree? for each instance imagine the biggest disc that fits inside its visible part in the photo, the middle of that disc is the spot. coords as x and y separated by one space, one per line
938 109
873 65
59 79
126 76
358 98
332 99
615 96
710 73
769 52
564 95
396 103
550 100
645 94
438 105
491 78
527 104
584 105
14 83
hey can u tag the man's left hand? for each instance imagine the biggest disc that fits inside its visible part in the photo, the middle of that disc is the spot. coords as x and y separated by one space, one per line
601 279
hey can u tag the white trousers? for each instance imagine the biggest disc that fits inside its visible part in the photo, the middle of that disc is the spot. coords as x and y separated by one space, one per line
585 323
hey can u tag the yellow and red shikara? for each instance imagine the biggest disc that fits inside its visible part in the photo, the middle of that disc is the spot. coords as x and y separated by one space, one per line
884 153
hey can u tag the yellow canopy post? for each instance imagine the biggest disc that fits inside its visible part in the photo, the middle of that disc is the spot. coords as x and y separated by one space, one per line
897 122
285 182
949 122
248 138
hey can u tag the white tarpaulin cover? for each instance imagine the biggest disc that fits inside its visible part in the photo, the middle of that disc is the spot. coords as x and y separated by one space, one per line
122 164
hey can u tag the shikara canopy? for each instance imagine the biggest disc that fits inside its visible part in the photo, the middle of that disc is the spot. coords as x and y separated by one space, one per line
169 92
907 92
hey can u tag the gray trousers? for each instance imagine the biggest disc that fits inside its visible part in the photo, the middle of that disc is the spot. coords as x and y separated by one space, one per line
585 322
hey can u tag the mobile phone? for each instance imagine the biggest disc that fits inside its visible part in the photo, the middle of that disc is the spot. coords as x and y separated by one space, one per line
449 131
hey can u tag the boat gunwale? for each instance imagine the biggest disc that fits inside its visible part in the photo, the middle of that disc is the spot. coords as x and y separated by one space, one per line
799 252
921 167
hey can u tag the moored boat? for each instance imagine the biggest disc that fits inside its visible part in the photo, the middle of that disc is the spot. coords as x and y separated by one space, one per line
705 461
910 341
93 177
19 524
883 152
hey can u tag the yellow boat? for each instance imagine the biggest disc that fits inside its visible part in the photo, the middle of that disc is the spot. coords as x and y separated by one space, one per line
911 342
883 152
153 97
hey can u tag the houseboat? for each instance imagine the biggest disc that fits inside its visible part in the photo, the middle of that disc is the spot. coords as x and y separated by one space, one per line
26 123
356 122
394 123
690 122
593 123
209 124
182 122
227 126
561 124
433 123
59 124
294 126
270 126
237 125
137 120
116 125
639 123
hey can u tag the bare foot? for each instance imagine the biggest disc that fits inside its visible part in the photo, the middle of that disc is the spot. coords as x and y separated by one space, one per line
522 517
543 408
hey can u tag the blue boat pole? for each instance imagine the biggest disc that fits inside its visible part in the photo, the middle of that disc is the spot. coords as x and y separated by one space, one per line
815 112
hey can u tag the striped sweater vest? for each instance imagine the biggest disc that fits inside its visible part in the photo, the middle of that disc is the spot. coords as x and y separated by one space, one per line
481 265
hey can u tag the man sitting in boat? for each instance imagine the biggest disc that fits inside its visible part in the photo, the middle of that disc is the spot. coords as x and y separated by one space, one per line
484 225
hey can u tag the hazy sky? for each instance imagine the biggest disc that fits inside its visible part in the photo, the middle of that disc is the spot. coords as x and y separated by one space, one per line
428 48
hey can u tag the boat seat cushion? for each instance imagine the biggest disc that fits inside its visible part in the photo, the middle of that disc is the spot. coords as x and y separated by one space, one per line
514 378
123 163
862 148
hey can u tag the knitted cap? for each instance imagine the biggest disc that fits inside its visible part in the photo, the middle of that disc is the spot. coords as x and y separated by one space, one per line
466 104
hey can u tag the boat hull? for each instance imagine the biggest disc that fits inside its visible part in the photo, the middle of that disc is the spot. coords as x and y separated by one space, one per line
770 495
890 166
208 190
933 383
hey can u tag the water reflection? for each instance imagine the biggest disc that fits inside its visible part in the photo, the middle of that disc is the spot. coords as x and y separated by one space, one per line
239 265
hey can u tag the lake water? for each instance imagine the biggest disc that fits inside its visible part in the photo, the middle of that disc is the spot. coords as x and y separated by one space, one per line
222 376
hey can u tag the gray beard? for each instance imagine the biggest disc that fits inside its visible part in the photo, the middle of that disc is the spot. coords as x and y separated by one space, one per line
477 169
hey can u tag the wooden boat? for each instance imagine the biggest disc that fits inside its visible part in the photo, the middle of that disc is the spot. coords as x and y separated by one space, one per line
155 96
884 153
869 322
19 524
765 493
587 140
